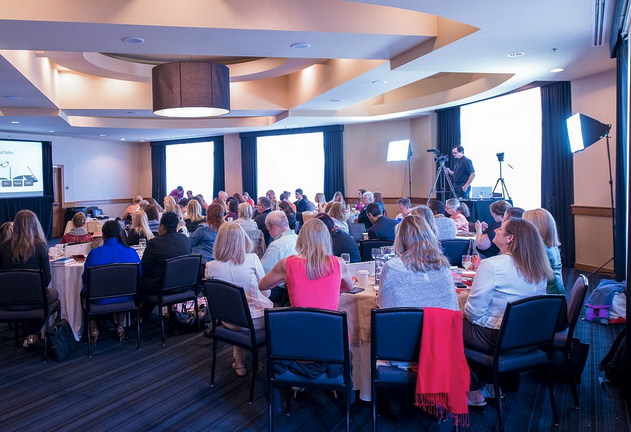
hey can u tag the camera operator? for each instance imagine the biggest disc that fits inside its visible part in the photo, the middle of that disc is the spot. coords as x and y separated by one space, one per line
463 172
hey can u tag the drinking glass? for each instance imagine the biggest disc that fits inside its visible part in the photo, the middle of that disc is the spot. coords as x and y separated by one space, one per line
346 257
466 261
374 252
142 242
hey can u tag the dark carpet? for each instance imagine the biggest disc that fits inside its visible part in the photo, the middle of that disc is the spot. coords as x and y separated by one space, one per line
167 389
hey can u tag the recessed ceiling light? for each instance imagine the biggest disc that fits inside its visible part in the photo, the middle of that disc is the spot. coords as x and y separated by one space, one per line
380 82
300 46
516 54
555 70
336 100
51 131
123 139
15 122
133 40
13 97
102 135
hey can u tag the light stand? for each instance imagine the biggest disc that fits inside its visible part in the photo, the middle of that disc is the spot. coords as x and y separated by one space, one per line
500 180
441 171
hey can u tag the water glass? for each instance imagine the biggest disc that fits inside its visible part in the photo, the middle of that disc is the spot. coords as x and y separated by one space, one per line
346 257
142 243
374 252
466 261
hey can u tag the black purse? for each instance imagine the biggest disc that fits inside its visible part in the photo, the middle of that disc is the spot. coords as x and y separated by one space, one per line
61 341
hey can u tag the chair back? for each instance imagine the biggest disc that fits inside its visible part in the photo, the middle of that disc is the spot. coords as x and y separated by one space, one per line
356 230
112 280
181 271
22 287
529 322
575 303
396 333
258 242
366 247
455 249
307 334
227 302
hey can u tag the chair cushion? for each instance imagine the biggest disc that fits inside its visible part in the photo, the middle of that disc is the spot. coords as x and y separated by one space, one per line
18 315
240 337
171 298
112 307
395 375
508 362
560 338
289 377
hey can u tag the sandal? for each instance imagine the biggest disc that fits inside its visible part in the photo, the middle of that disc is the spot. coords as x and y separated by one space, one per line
240 370
94 336
120 333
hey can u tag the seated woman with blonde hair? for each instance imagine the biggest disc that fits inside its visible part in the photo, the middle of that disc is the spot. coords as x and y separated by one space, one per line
419 276
193 215
78 234
338 214
233 264
245 217
338 197
6 231
139 229
547 227
133 208
314 277
181 225
427 215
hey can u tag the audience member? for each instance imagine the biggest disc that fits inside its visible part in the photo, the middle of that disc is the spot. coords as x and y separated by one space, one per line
177 192
341 242
367 198
248 199
339 197
427 215
245 217
484 234
221 203
446 226
289 212
202 202
78 233
264 208
130 210
222 195
382 228
301 202
233 264
189 194
203 239
338 214
513 213
284 245
379 201
270 194
314 277
547 227
6 231
153 217
285 197
311 207
27 249
233 209
168 200
181 225
150 200
183 205
139 229
419 276
320 200
114 250
359 202
239 197
403 205
459 212
193 215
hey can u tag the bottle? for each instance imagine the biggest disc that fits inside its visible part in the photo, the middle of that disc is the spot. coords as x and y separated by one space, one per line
475 256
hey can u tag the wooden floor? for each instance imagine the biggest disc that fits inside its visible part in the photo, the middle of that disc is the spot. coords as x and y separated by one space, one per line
167 389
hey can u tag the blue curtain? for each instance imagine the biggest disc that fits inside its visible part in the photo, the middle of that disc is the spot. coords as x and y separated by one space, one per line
557 175
448 137
622 149
333 162
219 173
41 206
248 166
158 171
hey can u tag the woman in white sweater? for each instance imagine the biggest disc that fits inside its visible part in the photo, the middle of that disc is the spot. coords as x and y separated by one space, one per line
233 264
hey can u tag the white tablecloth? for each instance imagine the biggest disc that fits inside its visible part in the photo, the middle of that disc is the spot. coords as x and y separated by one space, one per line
67 281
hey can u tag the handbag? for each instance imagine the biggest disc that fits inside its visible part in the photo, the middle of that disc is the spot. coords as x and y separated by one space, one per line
61 341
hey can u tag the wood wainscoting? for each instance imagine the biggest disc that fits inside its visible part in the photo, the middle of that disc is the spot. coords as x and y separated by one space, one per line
593 238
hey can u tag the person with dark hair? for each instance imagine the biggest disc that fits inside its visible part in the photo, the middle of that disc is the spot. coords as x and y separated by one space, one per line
446 226
363 218
378 196
153 217
189 195
463 172
289 212
177 192
114 250
382 228
301 203
233 209
341 241
203 239
484 234
168 244
264 208
78 234
360 196
513 213
285 197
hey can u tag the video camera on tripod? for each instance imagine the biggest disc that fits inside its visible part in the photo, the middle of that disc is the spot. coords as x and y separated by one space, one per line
437 156
442 176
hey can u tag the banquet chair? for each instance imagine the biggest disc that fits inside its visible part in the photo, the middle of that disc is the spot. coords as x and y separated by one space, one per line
366 247
454 250
306 335
356 230
228 304
109 281
23 297
390 343
522 346
564 341
179 285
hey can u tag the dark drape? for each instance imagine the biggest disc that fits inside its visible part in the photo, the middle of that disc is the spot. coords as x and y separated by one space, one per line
248 166
557 178
333 162
622 148
448 137
158 171
219 172
41 206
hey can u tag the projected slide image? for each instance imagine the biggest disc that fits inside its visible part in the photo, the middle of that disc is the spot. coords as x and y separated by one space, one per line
20 169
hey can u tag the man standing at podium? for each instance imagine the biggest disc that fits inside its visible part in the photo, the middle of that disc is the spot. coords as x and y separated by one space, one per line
463 173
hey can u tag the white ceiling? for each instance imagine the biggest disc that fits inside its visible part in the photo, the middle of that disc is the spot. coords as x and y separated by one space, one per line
54 75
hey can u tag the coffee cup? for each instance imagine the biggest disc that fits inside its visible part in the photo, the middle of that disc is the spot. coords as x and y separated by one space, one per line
362 278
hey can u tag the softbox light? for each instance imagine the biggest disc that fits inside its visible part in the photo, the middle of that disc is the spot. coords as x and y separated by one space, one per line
398 150
584 131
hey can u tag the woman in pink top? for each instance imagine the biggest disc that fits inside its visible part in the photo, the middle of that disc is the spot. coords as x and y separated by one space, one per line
314 277
459 212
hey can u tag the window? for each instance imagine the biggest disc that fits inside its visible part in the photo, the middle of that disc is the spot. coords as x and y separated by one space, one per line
511 125
191 166
289 162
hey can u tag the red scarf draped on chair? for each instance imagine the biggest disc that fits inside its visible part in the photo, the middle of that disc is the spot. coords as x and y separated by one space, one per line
443 373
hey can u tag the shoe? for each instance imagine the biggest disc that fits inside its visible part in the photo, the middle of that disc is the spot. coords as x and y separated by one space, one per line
120 333
94 336
489 391
475 398
32 341
297 390
240 370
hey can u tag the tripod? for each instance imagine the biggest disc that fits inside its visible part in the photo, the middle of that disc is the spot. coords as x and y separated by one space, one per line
501 181
445 176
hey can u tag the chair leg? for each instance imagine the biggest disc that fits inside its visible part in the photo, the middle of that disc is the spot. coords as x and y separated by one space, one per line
288 398
162 324
348 409
197 314
571 368
255 366
498 400
374 405
138 326
555 413
88 333
270 407
17 335
46 340
212 367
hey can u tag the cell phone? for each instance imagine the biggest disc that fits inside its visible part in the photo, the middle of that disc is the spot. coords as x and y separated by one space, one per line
355 290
